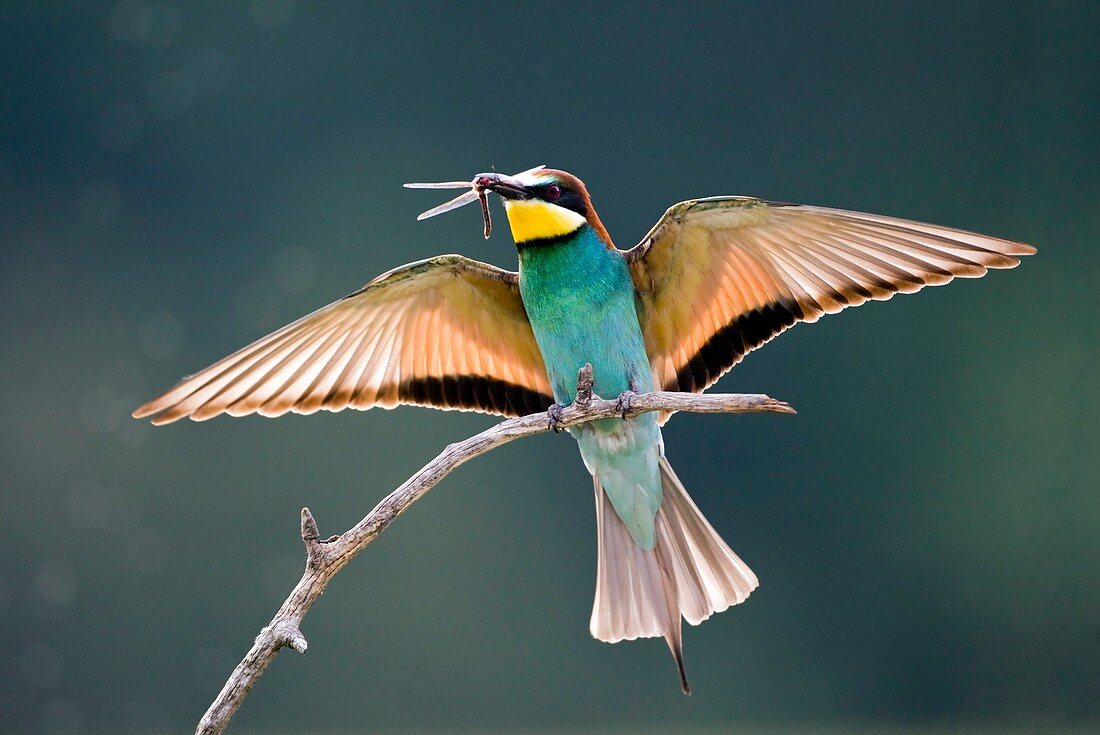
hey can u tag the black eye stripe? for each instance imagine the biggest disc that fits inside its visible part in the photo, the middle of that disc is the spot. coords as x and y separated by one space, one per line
562 196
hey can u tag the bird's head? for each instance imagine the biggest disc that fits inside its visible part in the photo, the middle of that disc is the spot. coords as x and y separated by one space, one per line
544 205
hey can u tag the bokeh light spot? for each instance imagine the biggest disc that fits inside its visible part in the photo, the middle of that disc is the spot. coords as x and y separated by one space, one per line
271 12
294 270
131 433
146 717
7 179
130 20
170 94
62 717
42 666
210 666
163 27
209 71
161 335
256 306
56 582
120 126
146 550
90 505
51 439
280 574
101 411
100 203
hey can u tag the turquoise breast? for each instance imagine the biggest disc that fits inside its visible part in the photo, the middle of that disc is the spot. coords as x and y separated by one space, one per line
579 299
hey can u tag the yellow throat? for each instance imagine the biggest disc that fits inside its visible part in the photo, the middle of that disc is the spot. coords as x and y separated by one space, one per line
534 219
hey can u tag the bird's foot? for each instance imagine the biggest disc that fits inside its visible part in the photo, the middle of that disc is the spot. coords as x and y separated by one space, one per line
623 402
553 417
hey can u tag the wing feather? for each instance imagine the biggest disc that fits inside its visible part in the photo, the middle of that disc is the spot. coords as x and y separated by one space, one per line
447 332
719 277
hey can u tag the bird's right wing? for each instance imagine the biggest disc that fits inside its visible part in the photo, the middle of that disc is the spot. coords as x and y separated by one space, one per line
719 277
447 332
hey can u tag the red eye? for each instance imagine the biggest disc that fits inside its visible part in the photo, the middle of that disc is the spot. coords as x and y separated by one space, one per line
552 193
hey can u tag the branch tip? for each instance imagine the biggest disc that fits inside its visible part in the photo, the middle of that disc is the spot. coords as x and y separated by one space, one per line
777 406
310 533
287 634
298 643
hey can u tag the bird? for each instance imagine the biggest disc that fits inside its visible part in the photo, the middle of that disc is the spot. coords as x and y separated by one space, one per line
712 280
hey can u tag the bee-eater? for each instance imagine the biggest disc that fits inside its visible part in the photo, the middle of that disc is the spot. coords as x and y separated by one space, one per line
712 280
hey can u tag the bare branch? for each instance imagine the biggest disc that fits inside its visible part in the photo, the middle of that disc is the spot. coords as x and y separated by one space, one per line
324 558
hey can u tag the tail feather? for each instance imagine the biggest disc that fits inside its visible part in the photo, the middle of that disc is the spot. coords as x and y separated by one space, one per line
630 597
691 572
674 633
710 577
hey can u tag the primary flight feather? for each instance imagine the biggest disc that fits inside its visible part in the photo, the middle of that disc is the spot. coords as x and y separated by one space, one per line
712 280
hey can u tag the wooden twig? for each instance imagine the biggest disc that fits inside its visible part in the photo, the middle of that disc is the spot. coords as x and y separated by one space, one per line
325 557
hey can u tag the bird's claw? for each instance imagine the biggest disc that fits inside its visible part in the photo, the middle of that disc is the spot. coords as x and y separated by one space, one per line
553 417
622 403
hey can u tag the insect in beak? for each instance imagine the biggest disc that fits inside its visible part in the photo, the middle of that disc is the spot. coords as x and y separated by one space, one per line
486 219
478 191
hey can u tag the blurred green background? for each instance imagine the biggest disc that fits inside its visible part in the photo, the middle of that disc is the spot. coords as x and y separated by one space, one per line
178 178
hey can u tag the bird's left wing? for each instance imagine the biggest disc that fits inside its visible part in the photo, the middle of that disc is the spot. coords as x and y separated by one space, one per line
719 277
448 332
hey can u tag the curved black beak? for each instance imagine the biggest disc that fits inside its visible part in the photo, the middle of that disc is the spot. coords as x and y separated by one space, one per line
507 186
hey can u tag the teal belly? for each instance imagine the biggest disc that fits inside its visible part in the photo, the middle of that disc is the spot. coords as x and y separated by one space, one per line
579 299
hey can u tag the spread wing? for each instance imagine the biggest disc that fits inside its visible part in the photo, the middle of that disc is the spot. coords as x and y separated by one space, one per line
719 277
448 332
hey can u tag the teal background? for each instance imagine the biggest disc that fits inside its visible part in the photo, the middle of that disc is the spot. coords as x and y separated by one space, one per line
176 179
